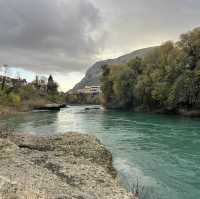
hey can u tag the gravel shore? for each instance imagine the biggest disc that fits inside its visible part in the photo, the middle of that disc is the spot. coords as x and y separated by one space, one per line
69 166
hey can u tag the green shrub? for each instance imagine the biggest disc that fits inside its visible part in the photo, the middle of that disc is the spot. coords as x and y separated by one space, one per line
14 100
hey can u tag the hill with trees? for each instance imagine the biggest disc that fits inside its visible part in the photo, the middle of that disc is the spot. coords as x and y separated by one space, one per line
94 73
166 80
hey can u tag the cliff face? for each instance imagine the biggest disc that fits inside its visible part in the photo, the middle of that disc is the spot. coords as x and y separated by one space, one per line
93 74
66 166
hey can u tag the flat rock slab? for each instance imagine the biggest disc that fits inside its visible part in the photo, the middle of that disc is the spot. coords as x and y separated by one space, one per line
69 166
50 107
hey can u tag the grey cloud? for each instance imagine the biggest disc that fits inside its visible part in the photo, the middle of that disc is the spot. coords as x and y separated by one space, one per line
67 35
48 34
140 23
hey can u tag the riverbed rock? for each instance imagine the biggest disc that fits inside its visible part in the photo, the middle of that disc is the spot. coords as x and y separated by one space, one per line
50 107
189 113
68 166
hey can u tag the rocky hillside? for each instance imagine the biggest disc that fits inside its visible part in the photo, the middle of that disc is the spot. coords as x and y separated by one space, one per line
93 74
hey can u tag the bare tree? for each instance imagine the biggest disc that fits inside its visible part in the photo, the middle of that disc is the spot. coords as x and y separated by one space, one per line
18 75
5 72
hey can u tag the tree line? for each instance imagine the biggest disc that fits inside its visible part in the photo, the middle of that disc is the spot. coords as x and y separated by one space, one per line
27 95
166 79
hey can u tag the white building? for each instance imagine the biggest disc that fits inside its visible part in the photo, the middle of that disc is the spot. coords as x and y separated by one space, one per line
90 90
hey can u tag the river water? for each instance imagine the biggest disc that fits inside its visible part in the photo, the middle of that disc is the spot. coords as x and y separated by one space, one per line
160 152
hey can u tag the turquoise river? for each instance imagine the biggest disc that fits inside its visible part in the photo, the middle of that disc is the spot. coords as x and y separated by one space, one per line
160 152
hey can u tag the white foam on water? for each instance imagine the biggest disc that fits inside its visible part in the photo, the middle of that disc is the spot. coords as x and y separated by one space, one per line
130 175
132 171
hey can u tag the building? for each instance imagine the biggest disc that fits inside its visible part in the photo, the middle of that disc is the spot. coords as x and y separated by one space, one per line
12 82
90 90
39 84
17 83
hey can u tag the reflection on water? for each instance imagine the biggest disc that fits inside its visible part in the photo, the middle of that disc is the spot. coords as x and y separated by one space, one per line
35 123
162 152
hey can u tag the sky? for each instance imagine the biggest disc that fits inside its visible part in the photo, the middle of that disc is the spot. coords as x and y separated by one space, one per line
65 37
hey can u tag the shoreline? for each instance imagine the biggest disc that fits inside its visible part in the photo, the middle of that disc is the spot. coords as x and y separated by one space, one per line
194 113
11 110
70 165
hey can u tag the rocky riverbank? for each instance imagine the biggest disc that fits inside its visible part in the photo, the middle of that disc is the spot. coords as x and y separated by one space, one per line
10 110
69 166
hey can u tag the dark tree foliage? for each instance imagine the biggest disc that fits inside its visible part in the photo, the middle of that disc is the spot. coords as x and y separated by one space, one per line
166 79
52 87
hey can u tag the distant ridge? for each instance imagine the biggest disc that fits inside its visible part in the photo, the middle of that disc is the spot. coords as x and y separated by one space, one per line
94 73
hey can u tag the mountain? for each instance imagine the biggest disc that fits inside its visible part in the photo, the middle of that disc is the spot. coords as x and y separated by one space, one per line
93 74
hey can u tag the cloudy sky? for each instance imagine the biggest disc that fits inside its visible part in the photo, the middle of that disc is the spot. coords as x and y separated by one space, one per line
65 37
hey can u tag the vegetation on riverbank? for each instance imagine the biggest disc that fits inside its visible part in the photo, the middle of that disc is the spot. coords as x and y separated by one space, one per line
167 80
19 98
82 98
